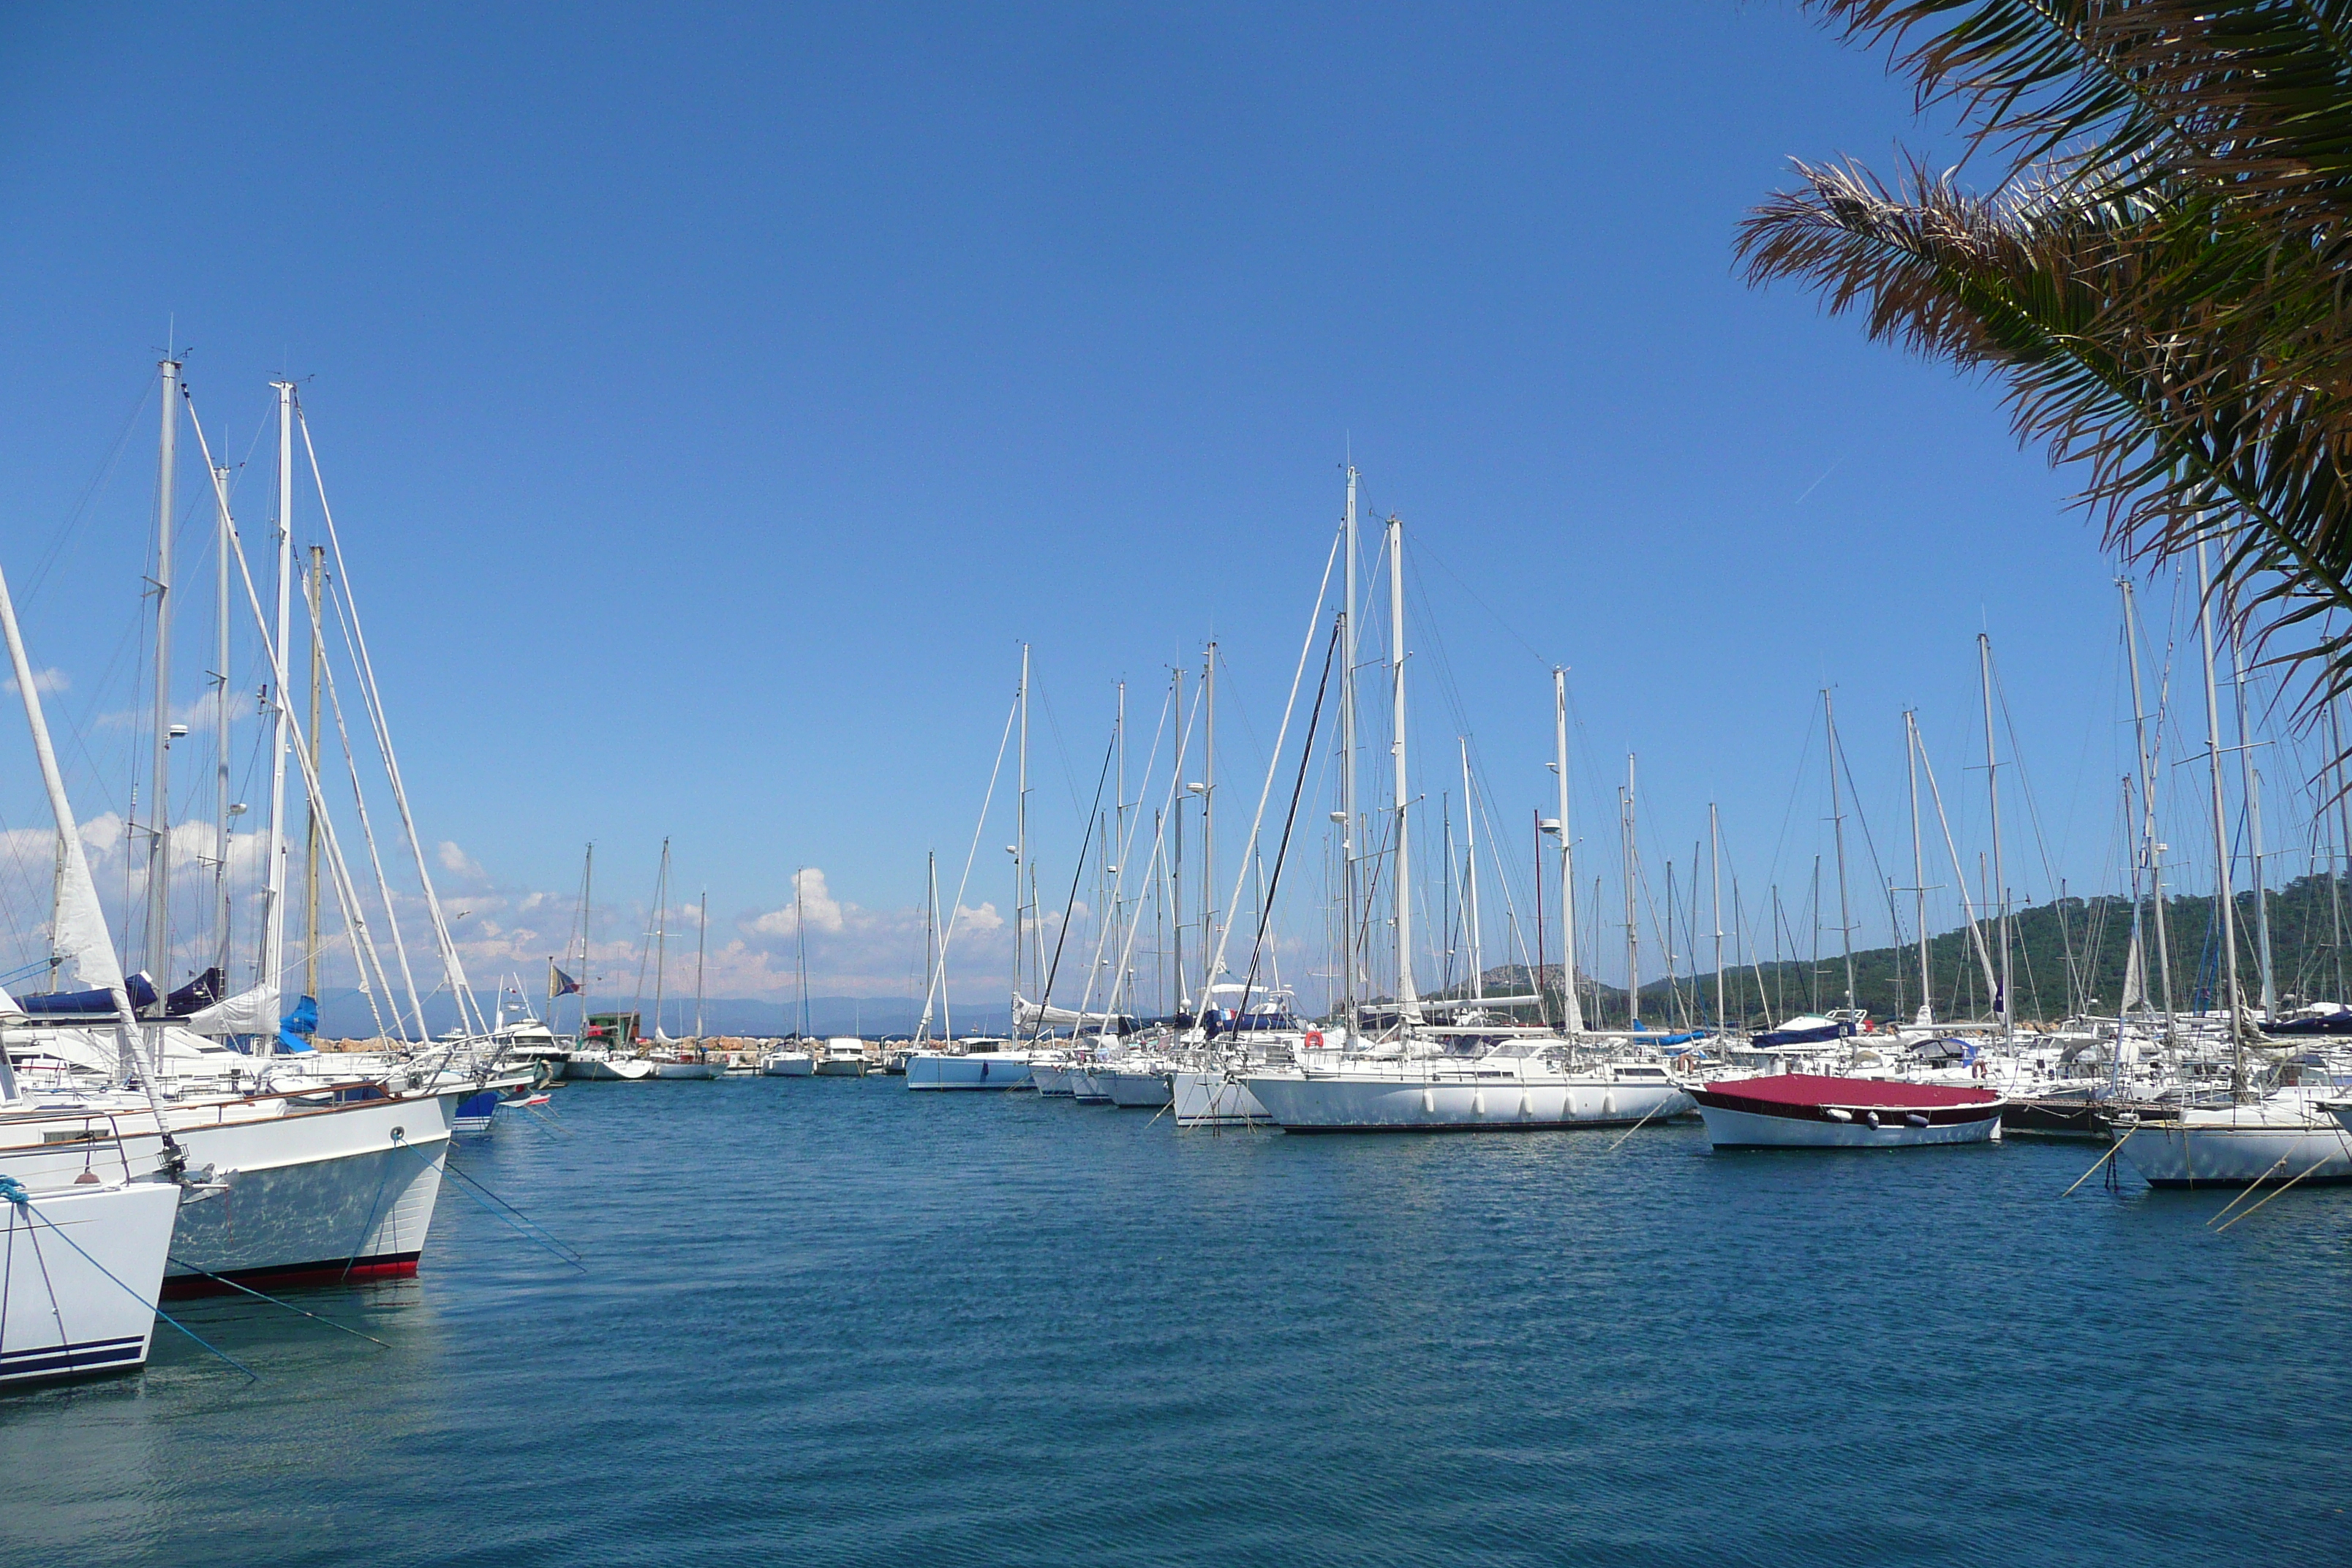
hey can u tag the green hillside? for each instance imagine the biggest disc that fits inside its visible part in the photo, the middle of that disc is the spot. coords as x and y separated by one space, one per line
2067 956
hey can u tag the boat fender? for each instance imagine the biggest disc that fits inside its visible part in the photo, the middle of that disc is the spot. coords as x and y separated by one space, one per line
1871 1117
1916 1120
1834 1114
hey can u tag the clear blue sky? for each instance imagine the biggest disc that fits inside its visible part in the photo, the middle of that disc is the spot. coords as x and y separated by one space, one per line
714 399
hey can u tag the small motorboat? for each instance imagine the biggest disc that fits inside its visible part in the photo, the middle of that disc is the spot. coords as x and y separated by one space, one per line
789 1062
1816 1110
844 1056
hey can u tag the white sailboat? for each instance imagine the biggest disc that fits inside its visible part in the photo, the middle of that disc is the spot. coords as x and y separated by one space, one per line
2289 1135
280 1185
1520 1084
85 1256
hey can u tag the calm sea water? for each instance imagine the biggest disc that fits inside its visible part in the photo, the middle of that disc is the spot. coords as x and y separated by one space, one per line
828 1321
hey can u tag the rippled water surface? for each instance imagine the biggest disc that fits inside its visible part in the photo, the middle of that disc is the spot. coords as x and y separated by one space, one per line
828 1321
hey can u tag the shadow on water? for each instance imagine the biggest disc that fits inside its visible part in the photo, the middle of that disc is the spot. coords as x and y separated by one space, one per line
828 1321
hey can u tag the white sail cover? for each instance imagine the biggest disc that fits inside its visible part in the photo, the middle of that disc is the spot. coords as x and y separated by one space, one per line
253 1011
1030 1015
2135 979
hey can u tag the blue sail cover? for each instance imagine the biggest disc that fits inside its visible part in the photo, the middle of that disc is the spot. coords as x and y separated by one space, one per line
294 1030
89 1004
1808 1031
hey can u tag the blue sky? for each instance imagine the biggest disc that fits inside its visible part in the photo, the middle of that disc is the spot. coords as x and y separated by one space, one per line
713 400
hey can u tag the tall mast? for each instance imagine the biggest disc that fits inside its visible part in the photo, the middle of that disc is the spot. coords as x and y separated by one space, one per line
1572 1012
661 935
317 586
159 810
587 902
1470 880
2222 895
1348 637
702 925
1209 911
1837 832
1633 927
1020 859
799 951
1918 864
1715 891
2250 787
2151 848
273 939
221 722
2343 845
1408 1000
930 929
1999 891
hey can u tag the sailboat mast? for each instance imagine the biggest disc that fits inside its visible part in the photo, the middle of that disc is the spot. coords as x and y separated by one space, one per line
799 948
1572 1013
2250 788
587 902
1633 927
273 939
1348 946
2151 848
317 586
1999 895
1715 891
159 811
1209 911
1918 864
1020 859
661 935
702 926
221 722
1837 832
2223 897
1470 879
1408 1000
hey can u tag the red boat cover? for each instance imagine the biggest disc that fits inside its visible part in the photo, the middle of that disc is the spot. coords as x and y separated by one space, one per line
1852 1093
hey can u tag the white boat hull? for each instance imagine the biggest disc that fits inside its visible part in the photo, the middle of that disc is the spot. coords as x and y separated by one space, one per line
1212 1099
840 1069
788 1064
1137 1091
1402 1103
978 1070
1090 1086
65 1316
1051 1079
315 1195
690 1070
622 1069
1728 1129
2252 1152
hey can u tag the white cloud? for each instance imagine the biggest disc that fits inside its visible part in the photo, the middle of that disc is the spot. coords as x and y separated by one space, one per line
814 902
45 682
458 863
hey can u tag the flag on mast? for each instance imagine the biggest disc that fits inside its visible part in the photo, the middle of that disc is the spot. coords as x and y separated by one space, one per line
560 984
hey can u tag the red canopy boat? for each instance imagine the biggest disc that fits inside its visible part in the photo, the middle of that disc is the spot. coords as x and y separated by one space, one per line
1815 1110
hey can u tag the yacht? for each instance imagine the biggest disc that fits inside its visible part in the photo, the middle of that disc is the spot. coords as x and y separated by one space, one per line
844 1056
790 1059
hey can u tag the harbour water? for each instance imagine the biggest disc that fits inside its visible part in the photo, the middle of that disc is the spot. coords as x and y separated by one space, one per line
827 1321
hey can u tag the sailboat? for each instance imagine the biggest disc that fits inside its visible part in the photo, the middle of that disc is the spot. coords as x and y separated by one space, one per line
676 1058
279 1184
1408 1082
2289 1134
950 1066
